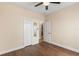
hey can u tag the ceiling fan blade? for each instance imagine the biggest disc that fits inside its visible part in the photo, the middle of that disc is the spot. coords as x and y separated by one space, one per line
55 2
46 7
38 4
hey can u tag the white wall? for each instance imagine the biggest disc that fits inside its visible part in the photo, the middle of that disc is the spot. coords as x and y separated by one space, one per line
65 27
11 25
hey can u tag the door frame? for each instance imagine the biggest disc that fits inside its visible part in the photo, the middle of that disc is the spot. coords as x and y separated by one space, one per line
27 21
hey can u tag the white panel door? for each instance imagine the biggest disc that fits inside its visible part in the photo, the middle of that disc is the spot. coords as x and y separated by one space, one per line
28 32
35 33
47 31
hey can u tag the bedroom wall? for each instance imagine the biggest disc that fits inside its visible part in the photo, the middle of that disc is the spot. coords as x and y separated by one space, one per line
65 27
11 25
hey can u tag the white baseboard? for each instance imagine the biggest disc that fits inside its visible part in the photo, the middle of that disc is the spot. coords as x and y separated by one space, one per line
66 47
63 46
4 51
10 50
47 41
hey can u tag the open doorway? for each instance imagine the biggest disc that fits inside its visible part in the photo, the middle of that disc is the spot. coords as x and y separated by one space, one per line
41 34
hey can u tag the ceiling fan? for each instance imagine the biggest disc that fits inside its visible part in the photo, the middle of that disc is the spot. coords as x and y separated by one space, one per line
46 4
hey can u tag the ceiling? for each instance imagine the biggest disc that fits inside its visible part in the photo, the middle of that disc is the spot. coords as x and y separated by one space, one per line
41 8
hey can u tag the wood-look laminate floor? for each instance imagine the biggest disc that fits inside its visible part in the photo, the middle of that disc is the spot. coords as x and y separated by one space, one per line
42 49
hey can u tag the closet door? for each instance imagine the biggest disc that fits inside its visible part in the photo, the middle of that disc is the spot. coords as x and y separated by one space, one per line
47 31
35 33
28 32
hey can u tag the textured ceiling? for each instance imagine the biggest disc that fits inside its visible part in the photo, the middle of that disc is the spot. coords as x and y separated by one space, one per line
41 8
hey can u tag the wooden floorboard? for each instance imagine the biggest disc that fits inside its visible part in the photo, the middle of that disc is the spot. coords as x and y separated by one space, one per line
42 49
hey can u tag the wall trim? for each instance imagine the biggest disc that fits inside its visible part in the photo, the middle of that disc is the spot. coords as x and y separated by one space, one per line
14 49
63 46
10 50
66 47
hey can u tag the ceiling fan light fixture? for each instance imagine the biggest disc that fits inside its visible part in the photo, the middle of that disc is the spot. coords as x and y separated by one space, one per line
45 3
